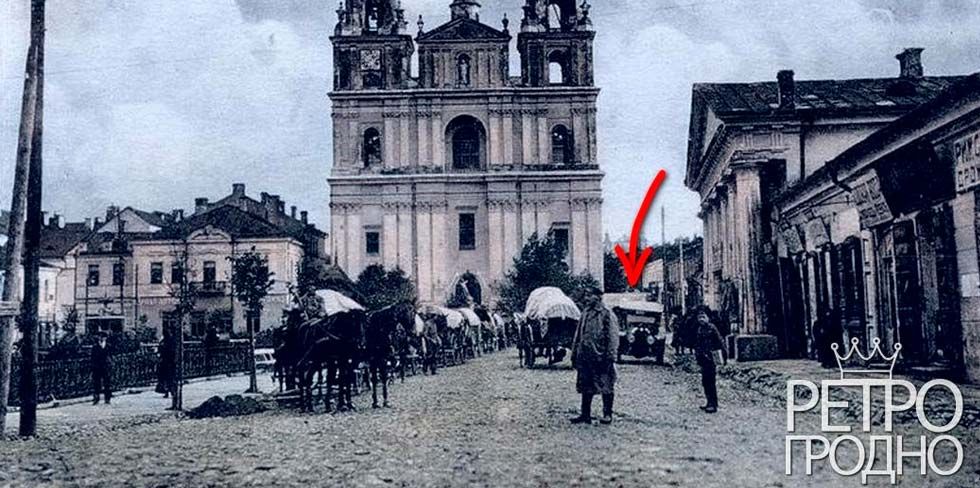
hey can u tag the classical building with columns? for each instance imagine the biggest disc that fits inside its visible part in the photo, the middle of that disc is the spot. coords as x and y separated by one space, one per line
449 171
750 142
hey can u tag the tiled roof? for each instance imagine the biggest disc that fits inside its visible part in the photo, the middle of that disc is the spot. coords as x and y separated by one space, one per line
826 95
463 29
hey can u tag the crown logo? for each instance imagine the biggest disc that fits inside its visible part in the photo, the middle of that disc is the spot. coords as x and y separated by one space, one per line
875 363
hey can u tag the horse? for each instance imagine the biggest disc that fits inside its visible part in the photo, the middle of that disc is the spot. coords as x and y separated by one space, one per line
330 343
380 333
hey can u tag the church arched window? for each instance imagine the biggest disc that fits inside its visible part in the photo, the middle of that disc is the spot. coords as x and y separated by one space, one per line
561 145
467 143
463 65
371 148
556 68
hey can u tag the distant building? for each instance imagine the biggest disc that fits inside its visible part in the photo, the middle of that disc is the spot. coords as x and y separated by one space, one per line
126 269
747 143
669 278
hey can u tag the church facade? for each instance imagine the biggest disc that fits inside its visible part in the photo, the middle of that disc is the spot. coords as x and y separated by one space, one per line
448 172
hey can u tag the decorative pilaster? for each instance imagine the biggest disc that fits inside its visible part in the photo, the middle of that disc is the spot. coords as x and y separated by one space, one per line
389 238
496 157
496 238
508 148
527 137
424 121
544 138
438 146
405 257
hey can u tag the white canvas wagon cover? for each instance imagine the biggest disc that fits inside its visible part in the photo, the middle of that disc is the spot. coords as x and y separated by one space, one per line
550 303
335 302
454 319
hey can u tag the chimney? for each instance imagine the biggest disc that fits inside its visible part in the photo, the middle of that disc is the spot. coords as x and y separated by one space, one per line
44 218
238 189
98 222
121 229
53 221
200 205
292 211
787 89
910 62
110 212
177 214
88 223
304 216
265 197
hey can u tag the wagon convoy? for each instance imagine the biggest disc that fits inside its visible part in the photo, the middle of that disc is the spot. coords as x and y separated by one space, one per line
330 345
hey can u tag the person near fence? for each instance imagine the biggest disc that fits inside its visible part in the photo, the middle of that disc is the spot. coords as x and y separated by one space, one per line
708 341
593 355
210 344
432 346
102 369
167 364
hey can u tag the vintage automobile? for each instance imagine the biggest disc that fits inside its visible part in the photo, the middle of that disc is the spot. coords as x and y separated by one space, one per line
641 331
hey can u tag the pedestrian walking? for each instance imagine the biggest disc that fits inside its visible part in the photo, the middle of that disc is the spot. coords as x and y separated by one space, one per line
167 363
708 341
593 355
101 369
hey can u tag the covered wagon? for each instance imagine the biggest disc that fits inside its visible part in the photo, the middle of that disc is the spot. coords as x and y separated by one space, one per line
550 319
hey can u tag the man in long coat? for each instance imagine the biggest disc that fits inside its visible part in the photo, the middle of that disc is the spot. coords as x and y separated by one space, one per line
101 369
593 354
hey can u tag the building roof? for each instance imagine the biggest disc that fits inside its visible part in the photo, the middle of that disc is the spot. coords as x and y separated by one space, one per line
156 219
759 102
966 88
230 219
761 98
57 242
464 29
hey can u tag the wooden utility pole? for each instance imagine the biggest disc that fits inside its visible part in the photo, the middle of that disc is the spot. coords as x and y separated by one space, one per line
32 242
13 271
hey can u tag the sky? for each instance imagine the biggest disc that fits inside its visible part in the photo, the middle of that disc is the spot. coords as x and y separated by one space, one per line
151 103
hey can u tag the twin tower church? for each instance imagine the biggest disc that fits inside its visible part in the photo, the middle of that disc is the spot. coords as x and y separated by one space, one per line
446 173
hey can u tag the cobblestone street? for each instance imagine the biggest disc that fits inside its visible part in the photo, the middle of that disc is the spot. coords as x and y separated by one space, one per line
487 423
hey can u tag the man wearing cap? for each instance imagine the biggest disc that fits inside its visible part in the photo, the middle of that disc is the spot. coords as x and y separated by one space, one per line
593 355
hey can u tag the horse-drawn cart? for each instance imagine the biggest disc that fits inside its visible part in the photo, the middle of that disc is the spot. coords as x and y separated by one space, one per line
550 320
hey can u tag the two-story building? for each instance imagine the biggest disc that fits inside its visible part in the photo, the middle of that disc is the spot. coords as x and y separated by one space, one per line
749 141
130 270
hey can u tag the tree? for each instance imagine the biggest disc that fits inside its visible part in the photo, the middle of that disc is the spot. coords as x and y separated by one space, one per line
613 277
251 281
185 296
541 263
380 288
317 274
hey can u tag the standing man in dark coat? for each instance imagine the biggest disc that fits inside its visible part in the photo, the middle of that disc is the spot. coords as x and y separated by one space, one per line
593 354
708 341
167 366
101 369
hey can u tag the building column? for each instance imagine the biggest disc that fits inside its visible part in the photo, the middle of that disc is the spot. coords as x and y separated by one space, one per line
424 139
966 223
423 229
353 143
527 133
746 231
544 138
596 261
579 135
528 226
580 238
338 235
389 141
512 236
405 141
495 139
542 218
438 146
593 143
496 239
440 242
405 237
355 241
508 143
389 237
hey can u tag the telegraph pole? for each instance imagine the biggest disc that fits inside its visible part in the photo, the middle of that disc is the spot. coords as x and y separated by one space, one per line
32 239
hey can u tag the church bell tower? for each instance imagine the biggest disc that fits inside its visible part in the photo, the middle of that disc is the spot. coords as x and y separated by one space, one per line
555 43
372 50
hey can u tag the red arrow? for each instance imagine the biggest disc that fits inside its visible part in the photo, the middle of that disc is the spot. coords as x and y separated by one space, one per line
635 260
